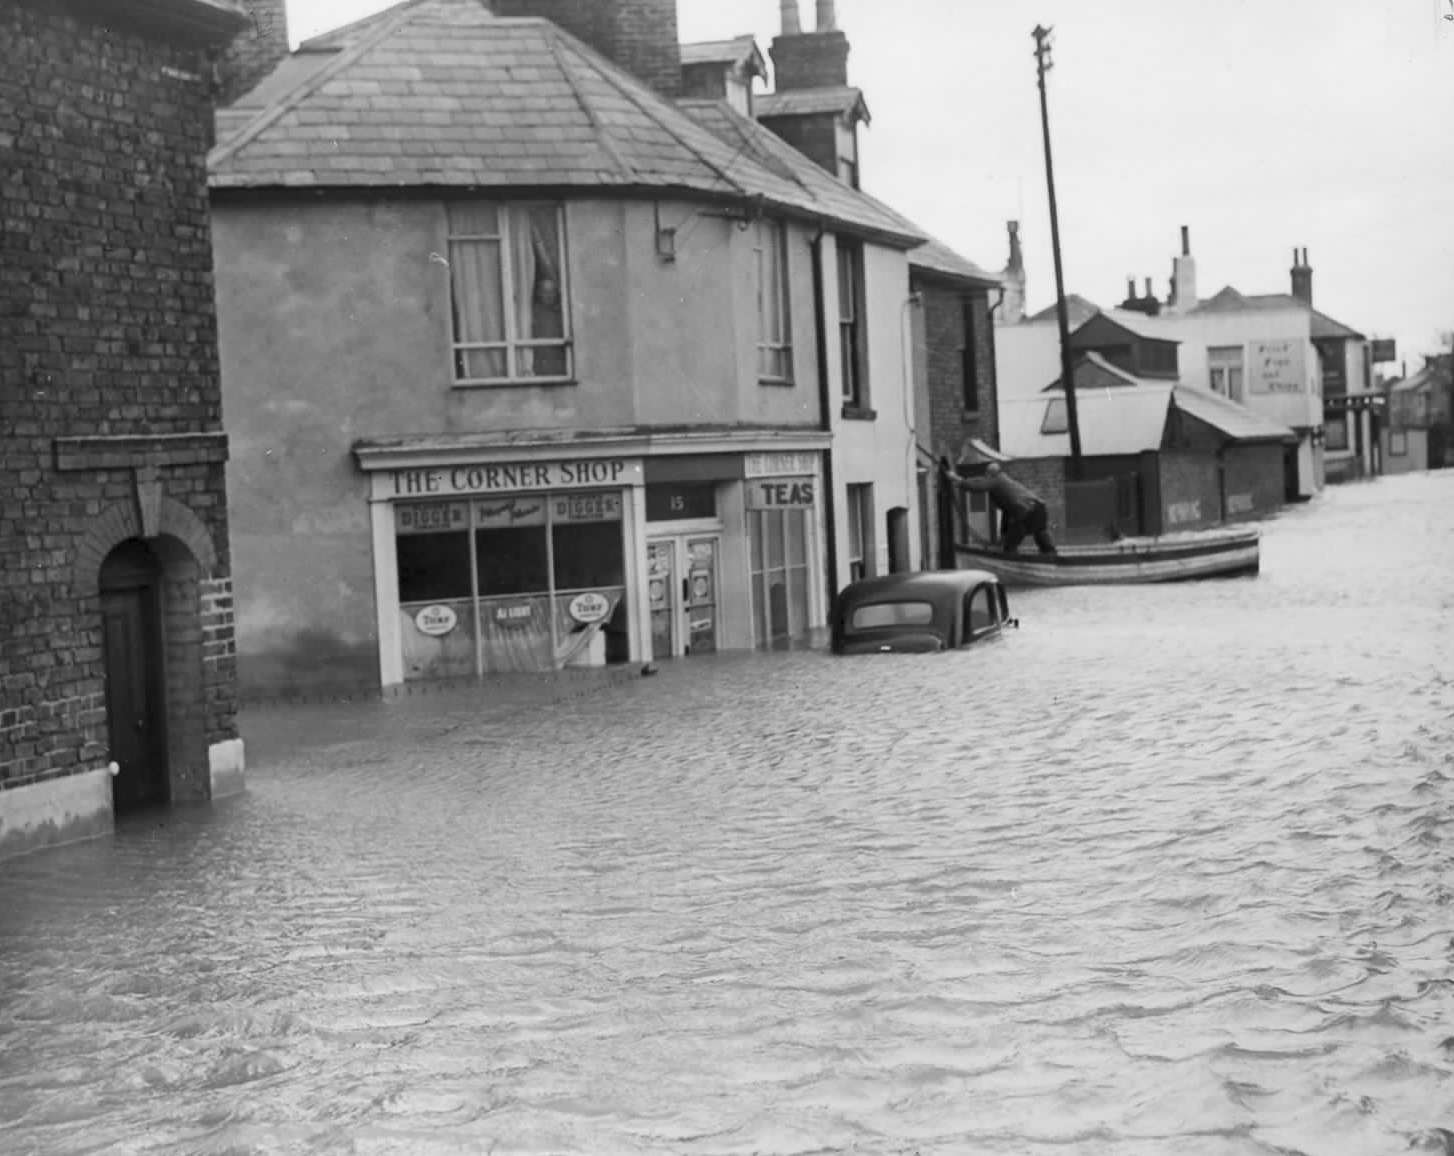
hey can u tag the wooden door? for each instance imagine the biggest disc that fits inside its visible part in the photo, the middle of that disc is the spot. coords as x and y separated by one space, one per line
134 705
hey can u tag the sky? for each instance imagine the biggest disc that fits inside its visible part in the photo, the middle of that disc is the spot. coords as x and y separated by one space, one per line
1262 125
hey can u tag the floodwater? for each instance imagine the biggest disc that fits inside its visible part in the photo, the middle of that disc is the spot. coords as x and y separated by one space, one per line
1167 870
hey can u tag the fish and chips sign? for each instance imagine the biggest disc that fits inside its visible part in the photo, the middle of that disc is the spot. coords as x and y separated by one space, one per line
1277 367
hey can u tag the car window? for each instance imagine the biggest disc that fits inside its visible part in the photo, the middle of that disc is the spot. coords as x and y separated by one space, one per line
880 614
980 611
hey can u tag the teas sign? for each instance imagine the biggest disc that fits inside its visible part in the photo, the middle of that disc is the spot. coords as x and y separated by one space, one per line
781 493
589 607
436 620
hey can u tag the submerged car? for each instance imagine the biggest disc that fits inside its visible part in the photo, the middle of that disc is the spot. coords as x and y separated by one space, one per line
916 613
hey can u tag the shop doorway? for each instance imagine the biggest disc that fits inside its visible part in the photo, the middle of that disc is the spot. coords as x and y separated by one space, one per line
131 644
682 584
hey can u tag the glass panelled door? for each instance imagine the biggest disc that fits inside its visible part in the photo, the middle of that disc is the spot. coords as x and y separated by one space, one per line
682 583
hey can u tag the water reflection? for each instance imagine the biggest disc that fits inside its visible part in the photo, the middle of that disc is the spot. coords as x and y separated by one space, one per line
1166 870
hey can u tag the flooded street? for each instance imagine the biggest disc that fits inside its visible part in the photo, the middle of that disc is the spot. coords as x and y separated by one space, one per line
1167 870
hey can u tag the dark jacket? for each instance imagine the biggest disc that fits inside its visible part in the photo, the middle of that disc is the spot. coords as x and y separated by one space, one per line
1006 493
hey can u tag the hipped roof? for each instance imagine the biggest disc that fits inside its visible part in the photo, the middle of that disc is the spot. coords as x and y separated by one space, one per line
441 93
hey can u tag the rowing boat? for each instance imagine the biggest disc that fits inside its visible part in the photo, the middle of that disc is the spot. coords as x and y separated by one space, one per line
1219 553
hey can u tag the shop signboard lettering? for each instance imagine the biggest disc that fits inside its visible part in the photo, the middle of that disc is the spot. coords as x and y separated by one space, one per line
431 517
436 620
589 607
781 493
500 513
1276 367
505 477
779 464
586 508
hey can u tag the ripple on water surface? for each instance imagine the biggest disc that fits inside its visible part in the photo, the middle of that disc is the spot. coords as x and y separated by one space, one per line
1166 870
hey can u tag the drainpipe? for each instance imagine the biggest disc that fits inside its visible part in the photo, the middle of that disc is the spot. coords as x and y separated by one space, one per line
820 325
910 389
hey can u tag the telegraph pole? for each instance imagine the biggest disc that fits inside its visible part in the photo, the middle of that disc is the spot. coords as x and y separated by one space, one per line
1067 374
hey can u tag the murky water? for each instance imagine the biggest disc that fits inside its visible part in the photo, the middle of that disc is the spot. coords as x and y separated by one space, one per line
1168 870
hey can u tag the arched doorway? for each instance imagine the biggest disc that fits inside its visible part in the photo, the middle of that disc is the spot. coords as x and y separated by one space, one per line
132 651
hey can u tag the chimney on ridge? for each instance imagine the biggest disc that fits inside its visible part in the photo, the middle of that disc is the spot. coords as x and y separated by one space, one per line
1183 277
255 51
638 35
817 59
1012 302
1302 278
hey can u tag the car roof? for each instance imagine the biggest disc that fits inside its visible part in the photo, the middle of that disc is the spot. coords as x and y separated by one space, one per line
924 584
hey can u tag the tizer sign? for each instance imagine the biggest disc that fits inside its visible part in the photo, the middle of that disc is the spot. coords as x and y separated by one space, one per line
780 493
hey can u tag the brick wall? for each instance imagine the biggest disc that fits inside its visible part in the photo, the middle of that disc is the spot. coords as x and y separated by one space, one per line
1254 482
106 289
809 60
256 51
1046 476
1191 495
638 35
944 337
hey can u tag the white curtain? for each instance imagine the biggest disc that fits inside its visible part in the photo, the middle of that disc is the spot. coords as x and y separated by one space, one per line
478 297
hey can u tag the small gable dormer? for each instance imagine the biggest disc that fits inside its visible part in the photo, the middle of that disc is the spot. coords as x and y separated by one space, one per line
723 70
1127 343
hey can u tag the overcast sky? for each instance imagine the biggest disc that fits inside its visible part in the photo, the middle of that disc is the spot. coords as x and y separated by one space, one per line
1325 124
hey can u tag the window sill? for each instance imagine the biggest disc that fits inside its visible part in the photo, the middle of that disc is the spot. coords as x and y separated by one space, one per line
859 413
970 416
777 382
514 383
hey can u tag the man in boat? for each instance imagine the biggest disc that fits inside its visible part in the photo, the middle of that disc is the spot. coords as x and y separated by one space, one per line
1024 511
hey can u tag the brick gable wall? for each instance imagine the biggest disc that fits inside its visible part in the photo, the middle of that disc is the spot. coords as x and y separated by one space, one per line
106 291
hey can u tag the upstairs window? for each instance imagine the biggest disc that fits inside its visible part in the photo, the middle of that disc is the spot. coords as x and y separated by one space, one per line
508 302
861 547
969 355
1224 370
850 325
774 317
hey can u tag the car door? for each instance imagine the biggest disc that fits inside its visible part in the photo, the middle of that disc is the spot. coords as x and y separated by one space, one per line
981 614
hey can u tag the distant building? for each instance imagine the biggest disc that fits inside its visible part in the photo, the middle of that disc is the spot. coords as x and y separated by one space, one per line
114 546
1156 456
1419 433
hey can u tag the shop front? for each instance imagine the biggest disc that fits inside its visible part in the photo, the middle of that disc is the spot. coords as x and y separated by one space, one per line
505 567
537 565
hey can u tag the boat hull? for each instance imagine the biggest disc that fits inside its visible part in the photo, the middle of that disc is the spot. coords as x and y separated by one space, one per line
1173 558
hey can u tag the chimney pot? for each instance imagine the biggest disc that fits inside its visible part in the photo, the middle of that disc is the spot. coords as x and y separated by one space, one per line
791 24
827 16
1130 288
1294 257
1185 241
1150 293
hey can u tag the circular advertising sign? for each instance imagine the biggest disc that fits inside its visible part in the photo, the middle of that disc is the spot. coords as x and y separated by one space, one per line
436 620
588 608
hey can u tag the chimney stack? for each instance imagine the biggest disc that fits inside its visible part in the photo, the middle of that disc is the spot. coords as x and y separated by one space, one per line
637 35
1183 297
817 59
255 52
1302 278
1011 309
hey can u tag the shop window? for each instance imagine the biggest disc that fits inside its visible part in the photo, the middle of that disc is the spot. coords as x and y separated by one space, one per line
433 567
774 316
861 547
1335 434
1398 443
508 300
512 560
588 555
